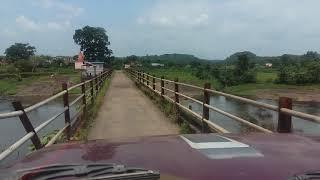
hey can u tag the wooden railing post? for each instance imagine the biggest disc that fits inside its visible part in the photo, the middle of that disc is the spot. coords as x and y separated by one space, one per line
143 78
27 124
96 83
153 83
139 78
67 112
205 110
84 98
176 100
284 120
162 86
147 79
91 91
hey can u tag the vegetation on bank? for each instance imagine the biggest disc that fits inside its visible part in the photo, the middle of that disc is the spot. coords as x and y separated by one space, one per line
242 73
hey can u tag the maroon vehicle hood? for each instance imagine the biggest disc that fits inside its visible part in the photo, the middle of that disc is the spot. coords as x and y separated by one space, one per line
278 156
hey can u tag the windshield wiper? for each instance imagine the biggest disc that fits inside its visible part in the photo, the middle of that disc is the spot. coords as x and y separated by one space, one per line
85 171
307 176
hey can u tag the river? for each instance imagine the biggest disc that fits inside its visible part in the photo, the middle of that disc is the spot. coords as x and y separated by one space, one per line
263 117
11 129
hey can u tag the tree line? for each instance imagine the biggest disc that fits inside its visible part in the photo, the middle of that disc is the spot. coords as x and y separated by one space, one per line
93 42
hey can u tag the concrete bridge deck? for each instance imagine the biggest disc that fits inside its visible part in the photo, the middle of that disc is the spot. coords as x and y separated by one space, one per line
127 112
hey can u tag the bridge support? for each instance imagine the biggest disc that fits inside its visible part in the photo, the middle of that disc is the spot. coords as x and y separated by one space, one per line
205 110
27 124
284 120
67 119
176 100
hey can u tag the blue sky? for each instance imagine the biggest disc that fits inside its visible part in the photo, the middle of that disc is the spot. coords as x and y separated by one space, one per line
212 29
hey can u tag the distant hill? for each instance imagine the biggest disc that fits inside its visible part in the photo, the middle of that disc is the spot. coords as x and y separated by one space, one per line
275 59
175 59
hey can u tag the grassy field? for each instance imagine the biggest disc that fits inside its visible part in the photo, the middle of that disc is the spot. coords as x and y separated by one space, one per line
12 86
9 86
182 75
265 82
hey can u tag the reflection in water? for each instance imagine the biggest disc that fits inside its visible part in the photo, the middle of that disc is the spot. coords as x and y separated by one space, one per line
262 117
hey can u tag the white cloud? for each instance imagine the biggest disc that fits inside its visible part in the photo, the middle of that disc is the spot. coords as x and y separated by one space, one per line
176 13
65 10
215 28
27 24
31 25
58 26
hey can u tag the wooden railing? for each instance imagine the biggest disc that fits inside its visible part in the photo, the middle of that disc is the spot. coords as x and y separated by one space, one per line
89 90
284 108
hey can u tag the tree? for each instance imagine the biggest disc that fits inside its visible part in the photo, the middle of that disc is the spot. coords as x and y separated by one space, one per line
94 43
19 51
311 55
242 64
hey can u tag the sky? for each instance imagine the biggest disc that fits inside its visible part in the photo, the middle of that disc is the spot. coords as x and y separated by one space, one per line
211 29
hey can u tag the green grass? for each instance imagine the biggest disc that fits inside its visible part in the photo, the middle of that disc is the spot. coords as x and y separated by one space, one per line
266 77
183 75
252 89
9 86
265 81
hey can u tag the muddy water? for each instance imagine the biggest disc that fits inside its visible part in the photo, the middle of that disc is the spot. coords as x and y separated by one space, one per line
12 130
262 117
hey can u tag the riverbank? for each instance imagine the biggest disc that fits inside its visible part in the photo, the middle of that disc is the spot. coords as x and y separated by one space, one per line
263 89
306 93
35 88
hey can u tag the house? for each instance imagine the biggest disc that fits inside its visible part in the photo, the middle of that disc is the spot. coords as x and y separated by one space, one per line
157 65
269 65
88 68
94 68
80 62
127 66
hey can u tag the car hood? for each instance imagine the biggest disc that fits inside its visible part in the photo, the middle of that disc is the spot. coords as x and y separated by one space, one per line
250 156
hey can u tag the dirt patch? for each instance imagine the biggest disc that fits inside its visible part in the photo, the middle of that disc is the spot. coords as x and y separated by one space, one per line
42 88
296 95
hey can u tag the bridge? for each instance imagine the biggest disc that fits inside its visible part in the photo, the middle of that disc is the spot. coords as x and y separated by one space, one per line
126 111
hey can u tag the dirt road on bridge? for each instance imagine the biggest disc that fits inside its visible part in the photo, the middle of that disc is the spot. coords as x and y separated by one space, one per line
127 112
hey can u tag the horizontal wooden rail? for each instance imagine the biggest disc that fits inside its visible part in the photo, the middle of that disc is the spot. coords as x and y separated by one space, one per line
37 105
238 119
169 90
301 115
280 109
241 99
102 77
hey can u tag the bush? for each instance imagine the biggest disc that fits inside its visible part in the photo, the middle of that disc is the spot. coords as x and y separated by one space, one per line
23 65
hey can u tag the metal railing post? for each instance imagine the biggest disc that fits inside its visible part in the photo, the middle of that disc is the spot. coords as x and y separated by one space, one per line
176 99
162 86
153 83
27 124
205 110
284 120
67 112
